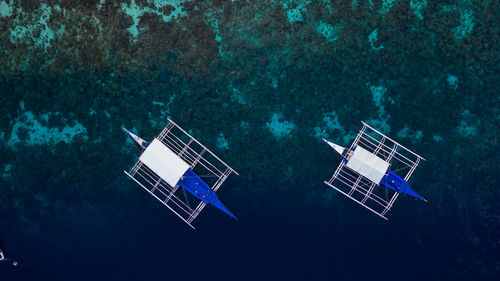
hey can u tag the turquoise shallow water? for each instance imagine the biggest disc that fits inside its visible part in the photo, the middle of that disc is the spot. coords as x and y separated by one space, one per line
260 83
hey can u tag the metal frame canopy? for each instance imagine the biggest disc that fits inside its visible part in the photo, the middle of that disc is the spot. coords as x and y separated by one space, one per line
366 162
165 161
368 165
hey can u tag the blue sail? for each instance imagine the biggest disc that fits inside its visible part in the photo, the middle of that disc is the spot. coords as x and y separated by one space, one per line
398 184
196 186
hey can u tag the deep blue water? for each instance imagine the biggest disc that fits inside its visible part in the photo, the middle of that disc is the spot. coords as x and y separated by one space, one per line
303 243
260 83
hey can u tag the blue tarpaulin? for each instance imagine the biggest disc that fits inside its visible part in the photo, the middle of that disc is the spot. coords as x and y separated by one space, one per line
398 184
200 189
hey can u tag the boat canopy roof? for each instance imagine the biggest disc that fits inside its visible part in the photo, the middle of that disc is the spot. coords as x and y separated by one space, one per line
164 162
368 164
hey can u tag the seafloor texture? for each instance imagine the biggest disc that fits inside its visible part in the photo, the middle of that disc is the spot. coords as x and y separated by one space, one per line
260 82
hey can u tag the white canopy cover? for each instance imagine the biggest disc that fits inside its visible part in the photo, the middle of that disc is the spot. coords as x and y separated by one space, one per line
368 164
164 162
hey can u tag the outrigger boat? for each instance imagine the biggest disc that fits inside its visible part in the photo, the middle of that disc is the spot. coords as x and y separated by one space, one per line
372 161
3 258
175 162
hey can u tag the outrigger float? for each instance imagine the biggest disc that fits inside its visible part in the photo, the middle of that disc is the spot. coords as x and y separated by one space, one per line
372 161
175 162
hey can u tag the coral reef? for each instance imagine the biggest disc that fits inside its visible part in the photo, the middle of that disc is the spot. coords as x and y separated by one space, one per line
260 82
